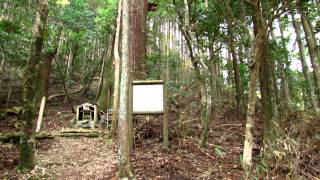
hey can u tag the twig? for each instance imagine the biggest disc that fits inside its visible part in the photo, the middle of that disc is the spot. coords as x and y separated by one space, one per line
223 125
213 158
64 86
63 94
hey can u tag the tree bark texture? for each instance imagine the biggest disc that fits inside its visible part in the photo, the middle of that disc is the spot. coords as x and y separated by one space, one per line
123 129
284 68
311 100
258 53
312 47
117 66
236 72
28 111
138 38
165 123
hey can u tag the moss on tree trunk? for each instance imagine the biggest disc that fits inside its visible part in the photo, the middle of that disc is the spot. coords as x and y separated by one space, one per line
29 90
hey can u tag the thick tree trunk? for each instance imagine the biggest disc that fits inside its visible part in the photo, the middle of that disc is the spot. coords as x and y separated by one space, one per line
117 65
138 30
268 103
123 130
42 84
311 100
28 111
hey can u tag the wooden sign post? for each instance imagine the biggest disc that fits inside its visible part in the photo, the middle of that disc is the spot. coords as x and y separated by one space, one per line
148 98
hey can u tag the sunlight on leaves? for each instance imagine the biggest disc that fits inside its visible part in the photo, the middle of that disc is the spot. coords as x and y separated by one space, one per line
63 2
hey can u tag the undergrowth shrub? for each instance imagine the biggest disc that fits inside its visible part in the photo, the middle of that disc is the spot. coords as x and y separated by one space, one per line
295 153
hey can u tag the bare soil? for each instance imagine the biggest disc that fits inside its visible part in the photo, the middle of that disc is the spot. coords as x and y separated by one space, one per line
96 158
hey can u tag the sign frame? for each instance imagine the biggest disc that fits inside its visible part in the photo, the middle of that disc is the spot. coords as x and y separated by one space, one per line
148 82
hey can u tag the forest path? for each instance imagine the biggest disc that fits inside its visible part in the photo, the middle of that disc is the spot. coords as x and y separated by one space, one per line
96 158
77 158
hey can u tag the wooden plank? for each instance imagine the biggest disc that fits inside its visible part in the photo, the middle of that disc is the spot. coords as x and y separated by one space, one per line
147 82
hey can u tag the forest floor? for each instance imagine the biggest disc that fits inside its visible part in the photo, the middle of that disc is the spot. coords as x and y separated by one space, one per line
96 158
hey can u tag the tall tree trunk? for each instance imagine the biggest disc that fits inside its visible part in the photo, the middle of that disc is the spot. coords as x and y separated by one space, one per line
275 86
258 53
106 78
106 90
28 111
305 70
312 46
268 103
236 72
165 123
202 73
273 70
230 75
42 84
69 64
284 68
123 130
117 65
206 109
138 30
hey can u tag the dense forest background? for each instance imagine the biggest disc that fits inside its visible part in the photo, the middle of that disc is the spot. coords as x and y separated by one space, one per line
241 81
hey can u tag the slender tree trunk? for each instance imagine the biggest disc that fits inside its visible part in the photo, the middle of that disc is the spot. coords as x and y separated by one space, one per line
202 75
230 77
117 65
28 111
165 123
236 72
101 77
258 53
276 95
305 70
275 85
123 130
69 63
3 57
206 110
104 97
284 66
312 46
106 77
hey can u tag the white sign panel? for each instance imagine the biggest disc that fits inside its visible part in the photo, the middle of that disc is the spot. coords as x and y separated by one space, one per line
147 98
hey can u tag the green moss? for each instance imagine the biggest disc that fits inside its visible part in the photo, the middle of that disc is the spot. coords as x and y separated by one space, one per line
26 154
